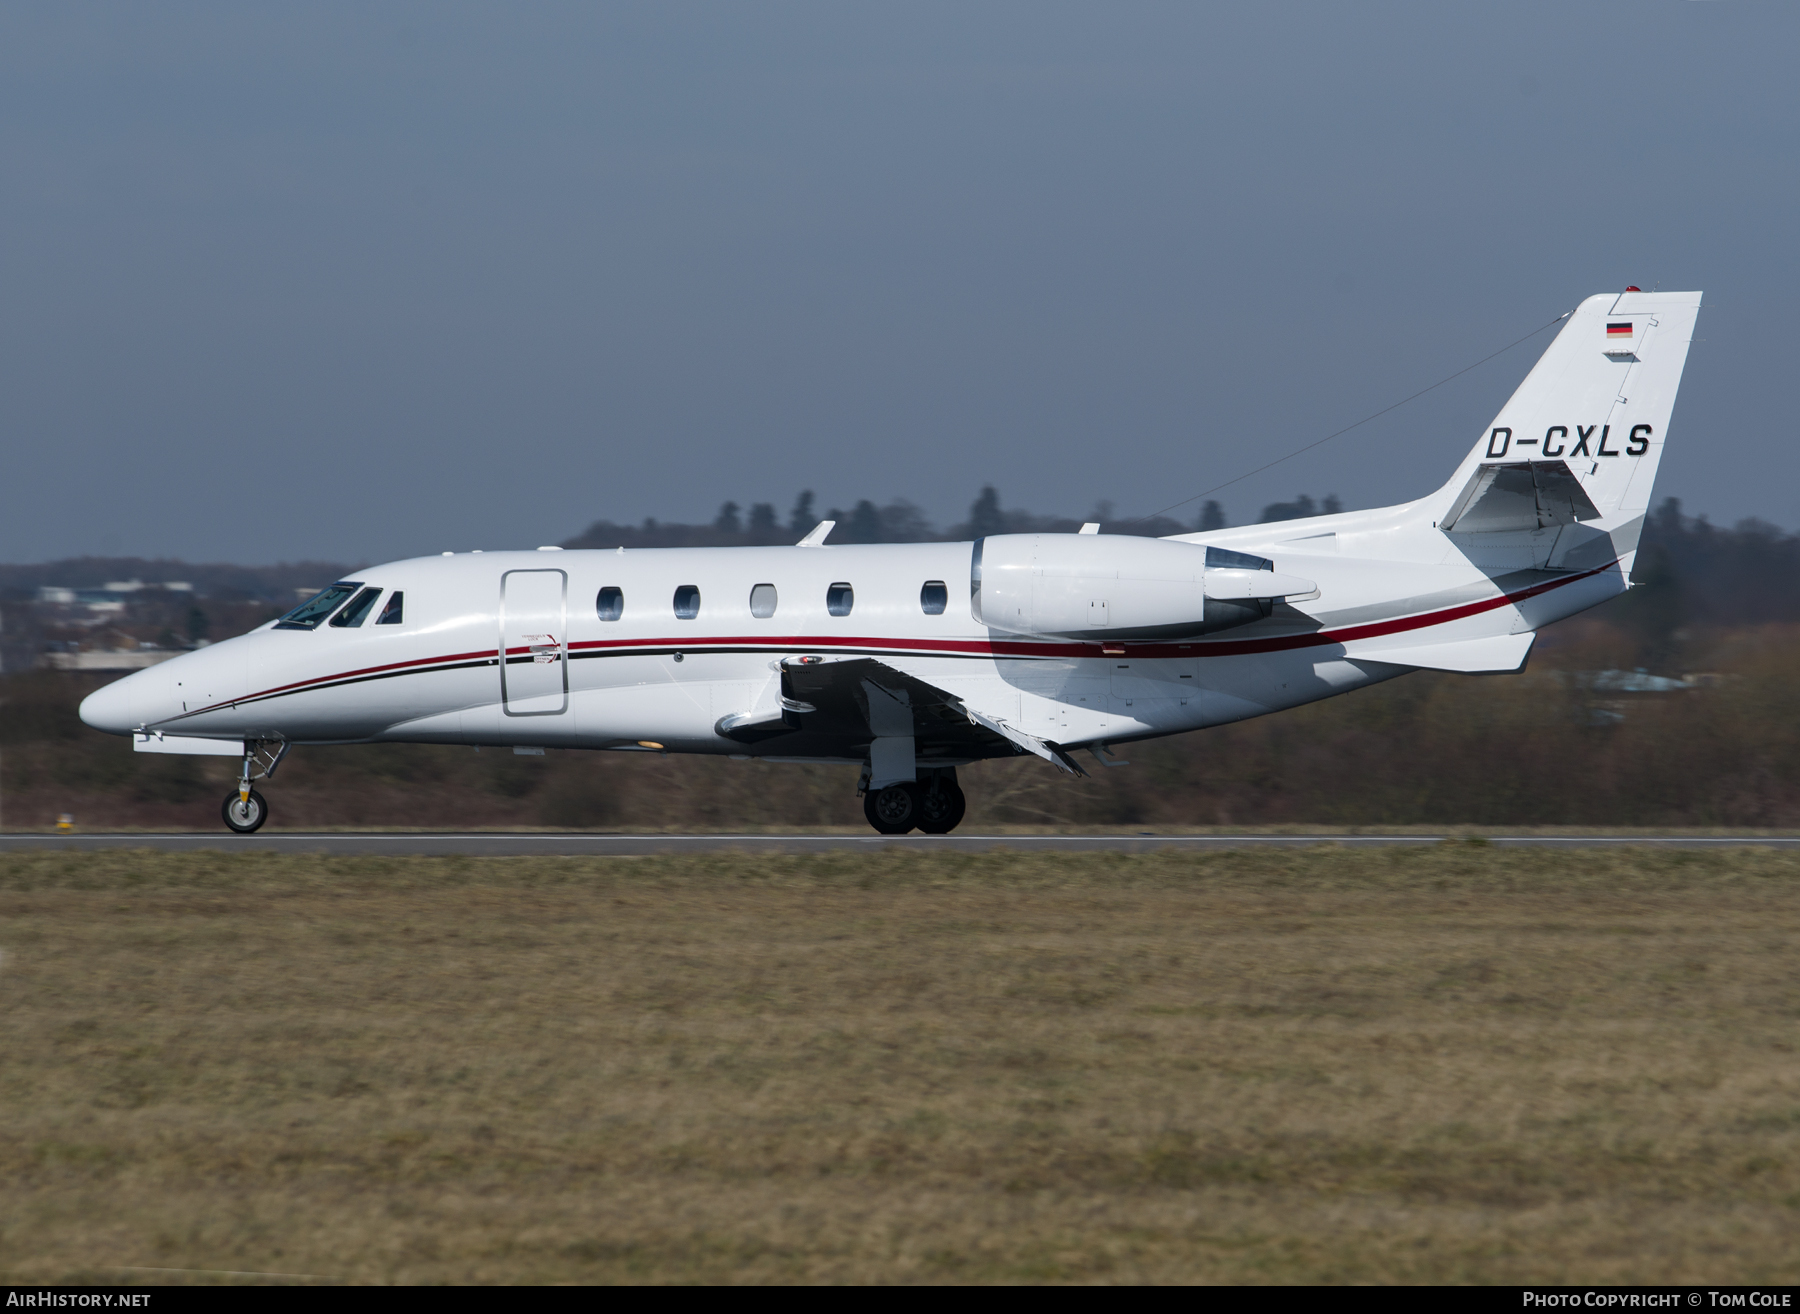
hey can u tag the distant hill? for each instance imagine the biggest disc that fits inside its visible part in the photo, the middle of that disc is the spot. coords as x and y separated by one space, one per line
865 522
216 580
1690 573
1575 739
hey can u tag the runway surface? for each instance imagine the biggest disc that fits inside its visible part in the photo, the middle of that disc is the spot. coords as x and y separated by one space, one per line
579 845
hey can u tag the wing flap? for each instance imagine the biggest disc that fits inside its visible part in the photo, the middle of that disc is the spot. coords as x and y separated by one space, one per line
1030 743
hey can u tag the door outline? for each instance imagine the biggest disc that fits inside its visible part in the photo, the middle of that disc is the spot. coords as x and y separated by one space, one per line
562 644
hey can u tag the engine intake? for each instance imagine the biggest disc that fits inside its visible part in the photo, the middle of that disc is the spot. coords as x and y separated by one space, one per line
1092 586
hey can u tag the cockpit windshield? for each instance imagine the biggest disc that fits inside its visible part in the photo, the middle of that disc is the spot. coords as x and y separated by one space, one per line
352 616
309 614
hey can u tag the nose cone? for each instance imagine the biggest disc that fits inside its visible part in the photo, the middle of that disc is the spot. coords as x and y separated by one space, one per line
109 708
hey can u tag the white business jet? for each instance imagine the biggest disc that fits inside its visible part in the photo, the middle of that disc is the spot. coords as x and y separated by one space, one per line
910 660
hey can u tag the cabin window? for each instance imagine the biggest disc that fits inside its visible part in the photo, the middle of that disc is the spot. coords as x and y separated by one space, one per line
610 603
395 611
934 597
762 601
687 602
310 613
839 598
357 612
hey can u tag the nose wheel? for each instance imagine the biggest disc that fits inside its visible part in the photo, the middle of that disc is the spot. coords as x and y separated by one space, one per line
245 810
245 815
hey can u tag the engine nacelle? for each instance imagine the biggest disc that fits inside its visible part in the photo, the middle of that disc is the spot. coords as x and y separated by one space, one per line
1093 586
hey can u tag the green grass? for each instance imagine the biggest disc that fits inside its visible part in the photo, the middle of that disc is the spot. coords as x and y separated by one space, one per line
1453 1063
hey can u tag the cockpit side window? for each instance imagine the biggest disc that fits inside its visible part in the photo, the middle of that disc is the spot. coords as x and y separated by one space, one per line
358 611
395 611
309 614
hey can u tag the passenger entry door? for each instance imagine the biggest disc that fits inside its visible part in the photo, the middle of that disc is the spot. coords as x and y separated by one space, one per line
534 658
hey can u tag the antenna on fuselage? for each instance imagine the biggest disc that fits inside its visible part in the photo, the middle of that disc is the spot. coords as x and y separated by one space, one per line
817 537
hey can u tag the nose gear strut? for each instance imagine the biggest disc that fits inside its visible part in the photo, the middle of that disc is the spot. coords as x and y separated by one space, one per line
245 810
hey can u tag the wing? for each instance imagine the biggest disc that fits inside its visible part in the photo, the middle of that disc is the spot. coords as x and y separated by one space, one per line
834 708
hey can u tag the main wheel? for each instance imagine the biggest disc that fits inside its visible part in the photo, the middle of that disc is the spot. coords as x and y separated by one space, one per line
893 810
941 807
244 817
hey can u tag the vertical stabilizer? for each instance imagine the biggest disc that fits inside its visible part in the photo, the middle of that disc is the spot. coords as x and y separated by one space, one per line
1598 403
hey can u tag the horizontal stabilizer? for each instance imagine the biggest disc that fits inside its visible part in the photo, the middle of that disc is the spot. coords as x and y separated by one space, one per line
1499 652
190 745
1503 498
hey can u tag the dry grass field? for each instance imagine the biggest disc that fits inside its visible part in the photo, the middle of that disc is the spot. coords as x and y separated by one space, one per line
1454 1064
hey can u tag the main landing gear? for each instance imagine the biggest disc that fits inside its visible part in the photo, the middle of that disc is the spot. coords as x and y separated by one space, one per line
245 810
934 805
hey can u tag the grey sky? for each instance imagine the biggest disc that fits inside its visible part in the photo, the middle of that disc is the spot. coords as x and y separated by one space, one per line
367 281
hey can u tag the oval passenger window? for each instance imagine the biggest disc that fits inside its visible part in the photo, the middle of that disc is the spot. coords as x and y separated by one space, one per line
762 601
839 598
687 602
934 597
611 603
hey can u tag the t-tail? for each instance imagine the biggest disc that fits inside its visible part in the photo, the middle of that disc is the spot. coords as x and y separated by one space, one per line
1575 449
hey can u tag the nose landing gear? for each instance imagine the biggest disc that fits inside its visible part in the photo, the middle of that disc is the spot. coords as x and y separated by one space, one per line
245 810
